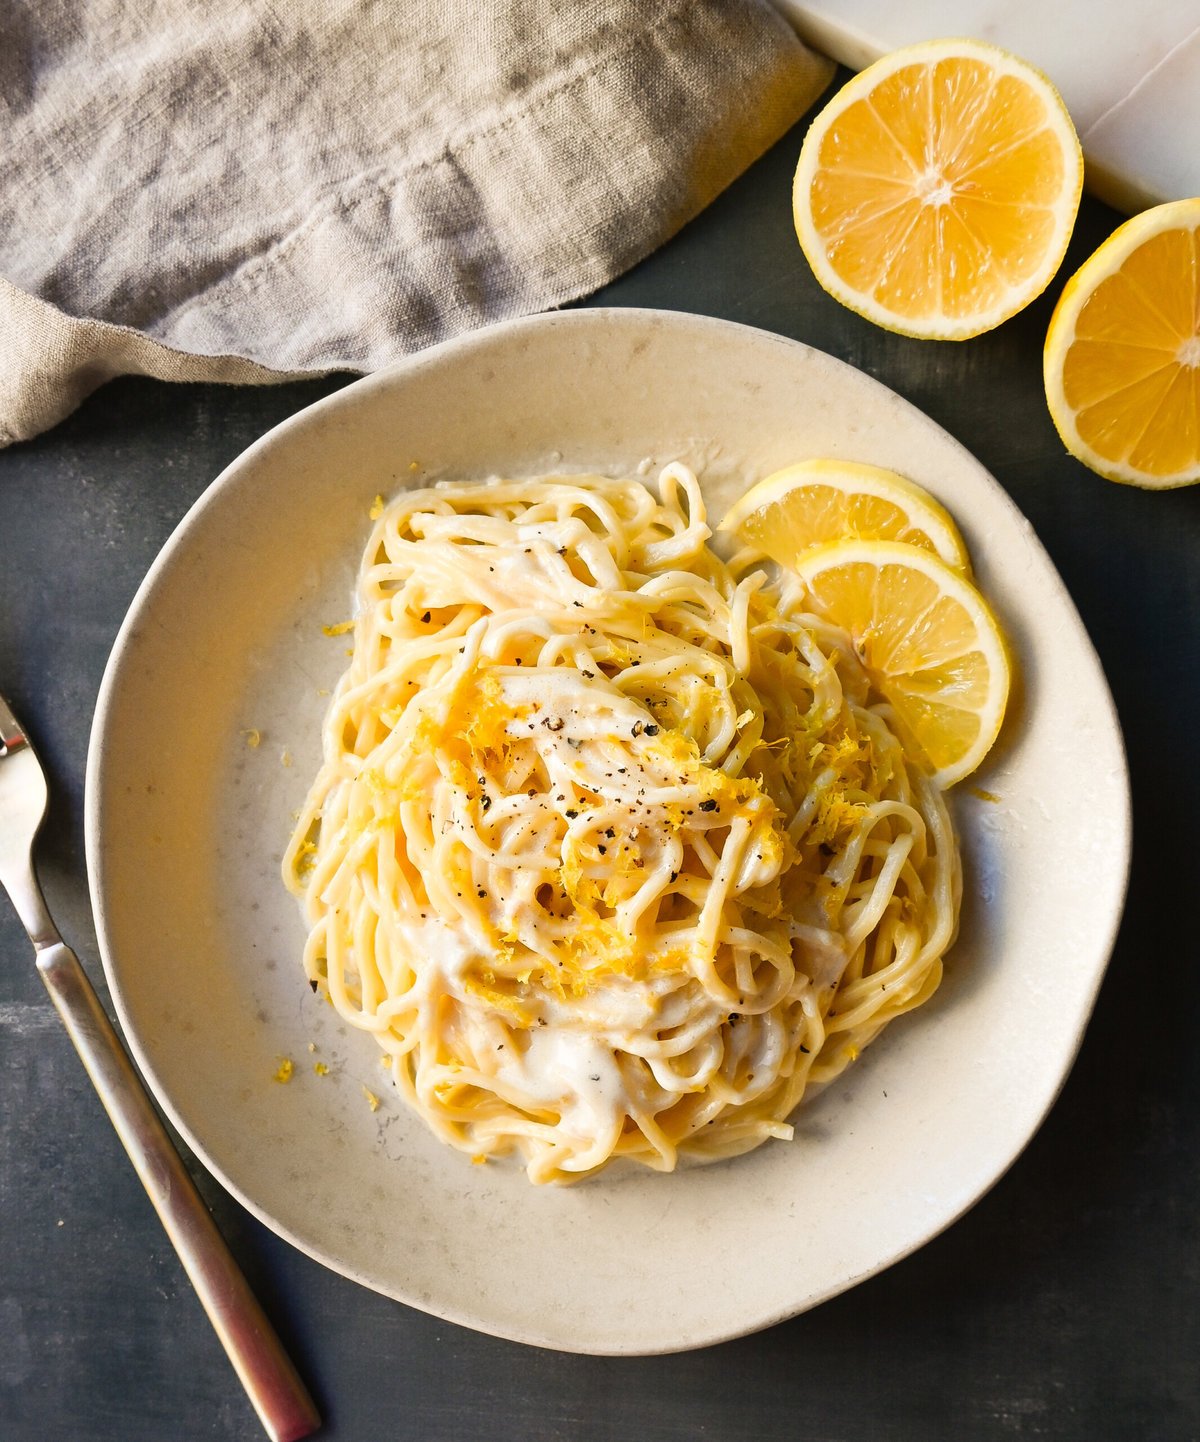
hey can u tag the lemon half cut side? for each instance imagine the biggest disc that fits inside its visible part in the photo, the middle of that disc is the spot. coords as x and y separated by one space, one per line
1122 356
936 192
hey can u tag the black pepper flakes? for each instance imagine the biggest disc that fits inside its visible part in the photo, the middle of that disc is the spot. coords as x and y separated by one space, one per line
709 805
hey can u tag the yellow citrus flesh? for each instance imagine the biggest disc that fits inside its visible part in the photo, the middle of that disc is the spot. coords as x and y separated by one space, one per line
936 192
814 502
1122 357
928 641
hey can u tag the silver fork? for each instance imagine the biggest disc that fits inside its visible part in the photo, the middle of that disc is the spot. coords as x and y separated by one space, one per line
274 1387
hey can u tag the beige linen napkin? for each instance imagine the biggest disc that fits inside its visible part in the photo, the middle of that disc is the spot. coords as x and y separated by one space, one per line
246 191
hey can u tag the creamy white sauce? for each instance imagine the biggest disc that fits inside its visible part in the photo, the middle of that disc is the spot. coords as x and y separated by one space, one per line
573 1073
441 954
613 1008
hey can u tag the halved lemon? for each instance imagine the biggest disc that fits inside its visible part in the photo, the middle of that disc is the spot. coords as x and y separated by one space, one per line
1122 357
814 502
936 192
927 639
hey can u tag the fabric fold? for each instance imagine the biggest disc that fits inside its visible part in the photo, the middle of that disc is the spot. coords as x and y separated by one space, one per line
246 194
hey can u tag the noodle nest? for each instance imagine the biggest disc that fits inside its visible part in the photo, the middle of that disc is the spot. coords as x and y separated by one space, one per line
612 850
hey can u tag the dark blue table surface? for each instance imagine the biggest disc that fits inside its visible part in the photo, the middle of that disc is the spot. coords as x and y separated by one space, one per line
1065 1305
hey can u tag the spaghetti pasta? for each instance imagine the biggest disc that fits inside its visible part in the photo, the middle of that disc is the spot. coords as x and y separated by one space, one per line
612 849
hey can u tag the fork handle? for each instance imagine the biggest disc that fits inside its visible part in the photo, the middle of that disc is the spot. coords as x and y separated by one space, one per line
272 1383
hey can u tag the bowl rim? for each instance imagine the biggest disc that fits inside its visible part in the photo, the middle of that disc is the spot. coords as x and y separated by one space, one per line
347 398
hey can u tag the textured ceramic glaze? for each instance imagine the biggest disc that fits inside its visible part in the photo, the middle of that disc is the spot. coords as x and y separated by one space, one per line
187 820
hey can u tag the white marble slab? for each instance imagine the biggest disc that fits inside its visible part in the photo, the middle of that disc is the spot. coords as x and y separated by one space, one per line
1129 71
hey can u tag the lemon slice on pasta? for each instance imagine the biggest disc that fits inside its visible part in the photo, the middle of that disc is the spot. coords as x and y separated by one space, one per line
815 502
928 640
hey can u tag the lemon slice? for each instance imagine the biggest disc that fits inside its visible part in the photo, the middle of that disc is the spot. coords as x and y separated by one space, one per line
814 502
1122 357
928 641
936 192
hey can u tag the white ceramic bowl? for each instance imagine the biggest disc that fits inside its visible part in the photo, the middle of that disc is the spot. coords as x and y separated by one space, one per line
186 822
